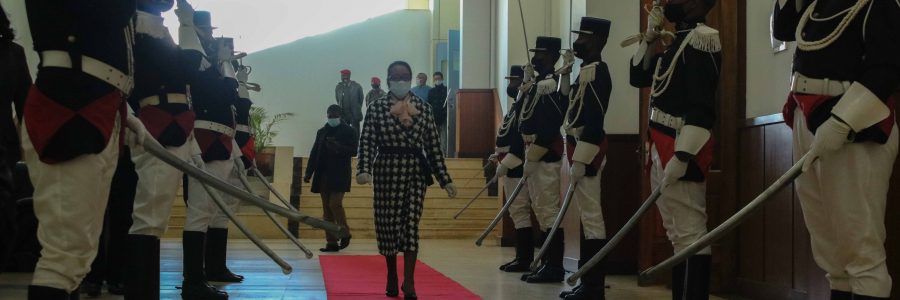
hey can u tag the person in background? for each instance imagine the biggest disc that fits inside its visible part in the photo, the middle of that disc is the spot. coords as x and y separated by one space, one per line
376 92
437 98
329 170
349 96
421 89
14 86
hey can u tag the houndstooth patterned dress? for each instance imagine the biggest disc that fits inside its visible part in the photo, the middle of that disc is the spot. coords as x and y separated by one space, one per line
400 179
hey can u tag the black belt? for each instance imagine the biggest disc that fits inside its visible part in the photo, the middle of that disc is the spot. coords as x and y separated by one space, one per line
400 150
417 152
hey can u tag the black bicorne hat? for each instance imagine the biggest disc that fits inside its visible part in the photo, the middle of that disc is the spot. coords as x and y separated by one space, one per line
547 44
594 26
202 19
516 71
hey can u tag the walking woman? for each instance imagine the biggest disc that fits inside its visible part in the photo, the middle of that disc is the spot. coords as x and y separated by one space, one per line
400 150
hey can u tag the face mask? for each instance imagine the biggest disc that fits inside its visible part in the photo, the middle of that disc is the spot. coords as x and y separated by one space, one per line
400 88
580 50
512 91
675 12
537 65
375 86
438 82
334 122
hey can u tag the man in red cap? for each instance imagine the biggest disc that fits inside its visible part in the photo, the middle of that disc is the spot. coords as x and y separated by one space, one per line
349 96
376 92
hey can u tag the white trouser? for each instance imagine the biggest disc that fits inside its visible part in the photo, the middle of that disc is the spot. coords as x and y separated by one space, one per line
69 202
157 188
682 206
587 195
843 199
543 187
221 219
201 211
520 209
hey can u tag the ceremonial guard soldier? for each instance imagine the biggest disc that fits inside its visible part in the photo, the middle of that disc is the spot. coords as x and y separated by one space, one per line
510 153
540 120
683 82
587 147
217 235
213 97
163 70
840 108
73 120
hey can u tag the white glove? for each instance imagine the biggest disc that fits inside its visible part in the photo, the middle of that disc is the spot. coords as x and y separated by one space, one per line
185 13
502 170
830 136
568 62
451 190
242 75
674 170
576 171
650 36
655 18
364 178
529 168
137 132
529 72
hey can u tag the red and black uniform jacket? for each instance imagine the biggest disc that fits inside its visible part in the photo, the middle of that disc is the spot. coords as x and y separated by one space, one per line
868 52
161 68
592 116
70 113
245 140
691 95
213 97
545 121
512 138
14 89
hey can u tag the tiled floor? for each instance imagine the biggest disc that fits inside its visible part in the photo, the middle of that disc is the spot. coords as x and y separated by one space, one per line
473 267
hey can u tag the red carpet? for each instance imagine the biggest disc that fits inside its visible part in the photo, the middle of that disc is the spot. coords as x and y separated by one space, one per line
364 277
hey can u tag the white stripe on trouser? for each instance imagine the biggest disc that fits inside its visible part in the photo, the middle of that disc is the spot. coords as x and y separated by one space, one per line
843 198
69 202
201 211
682 206
543 186
157 188
520 209
587 195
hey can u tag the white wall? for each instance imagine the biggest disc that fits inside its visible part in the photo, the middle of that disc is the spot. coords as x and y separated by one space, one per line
299 77
768 73
15 9
476 55
622 116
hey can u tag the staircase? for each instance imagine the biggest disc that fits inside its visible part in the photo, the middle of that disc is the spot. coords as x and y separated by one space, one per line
437 219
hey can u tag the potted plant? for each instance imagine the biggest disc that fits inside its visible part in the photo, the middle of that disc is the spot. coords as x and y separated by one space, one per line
265 130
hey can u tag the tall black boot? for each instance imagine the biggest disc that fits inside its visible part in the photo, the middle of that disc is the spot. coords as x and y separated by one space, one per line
678 273
697 279
841 295
216 247
37 292
142 278
593 283
524 252
543 259
194 285
552 271
861 297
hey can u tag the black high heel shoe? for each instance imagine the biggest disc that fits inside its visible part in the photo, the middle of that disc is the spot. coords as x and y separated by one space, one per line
409 296
392 290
